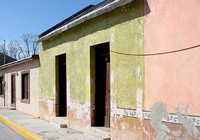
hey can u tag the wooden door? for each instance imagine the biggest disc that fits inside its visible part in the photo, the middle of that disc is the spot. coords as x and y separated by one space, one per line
107 96
92 81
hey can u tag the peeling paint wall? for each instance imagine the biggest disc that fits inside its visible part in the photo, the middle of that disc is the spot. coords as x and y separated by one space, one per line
123 28
137 81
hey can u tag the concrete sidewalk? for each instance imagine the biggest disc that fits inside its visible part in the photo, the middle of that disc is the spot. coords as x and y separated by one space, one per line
43 128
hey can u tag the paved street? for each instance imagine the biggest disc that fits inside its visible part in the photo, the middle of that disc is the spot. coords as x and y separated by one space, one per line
44 129
8 134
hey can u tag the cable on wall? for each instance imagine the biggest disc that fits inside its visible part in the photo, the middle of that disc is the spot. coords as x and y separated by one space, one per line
158 53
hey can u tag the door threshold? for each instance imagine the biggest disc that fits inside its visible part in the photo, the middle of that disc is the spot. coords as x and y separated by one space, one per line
102 132
12 107
105 129
60 122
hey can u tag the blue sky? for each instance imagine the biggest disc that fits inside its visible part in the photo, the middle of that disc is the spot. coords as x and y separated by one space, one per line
34 16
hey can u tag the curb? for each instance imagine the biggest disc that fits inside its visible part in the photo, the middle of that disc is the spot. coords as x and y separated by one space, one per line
19 130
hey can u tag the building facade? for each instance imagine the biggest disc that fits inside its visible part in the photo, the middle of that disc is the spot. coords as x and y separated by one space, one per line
19 84
130 66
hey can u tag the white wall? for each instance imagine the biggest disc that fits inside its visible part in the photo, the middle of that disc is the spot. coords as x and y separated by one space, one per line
1 101
31 108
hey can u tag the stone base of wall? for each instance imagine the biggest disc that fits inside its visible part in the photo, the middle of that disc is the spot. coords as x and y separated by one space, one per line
79 116
126 125
127 128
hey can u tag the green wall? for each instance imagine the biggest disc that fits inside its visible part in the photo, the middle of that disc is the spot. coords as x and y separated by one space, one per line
123 28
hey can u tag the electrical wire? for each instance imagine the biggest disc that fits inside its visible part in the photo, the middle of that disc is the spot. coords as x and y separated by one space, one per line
158 53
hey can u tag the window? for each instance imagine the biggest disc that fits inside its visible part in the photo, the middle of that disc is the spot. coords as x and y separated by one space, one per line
25 87
1 86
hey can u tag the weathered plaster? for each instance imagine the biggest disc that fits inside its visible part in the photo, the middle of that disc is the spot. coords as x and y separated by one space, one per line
172 78
168 78
123 28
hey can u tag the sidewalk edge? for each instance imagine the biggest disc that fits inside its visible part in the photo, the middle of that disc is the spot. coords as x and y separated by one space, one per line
19 129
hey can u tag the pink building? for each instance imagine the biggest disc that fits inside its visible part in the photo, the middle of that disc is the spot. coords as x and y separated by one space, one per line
172 68
173 78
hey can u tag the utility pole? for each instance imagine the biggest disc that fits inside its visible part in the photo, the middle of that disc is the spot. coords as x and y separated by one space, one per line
4 61
4 53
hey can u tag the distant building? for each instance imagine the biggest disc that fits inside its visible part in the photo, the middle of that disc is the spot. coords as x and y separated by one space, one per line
19 85
5 59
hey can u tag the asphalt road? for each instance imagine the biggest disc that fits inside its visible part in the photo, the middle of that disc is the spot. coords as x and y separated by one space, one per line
8 134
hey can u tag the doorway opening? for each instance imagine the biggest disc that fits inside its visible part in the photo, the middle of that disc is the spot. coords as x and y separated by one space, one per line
1 86
13 90
100 85
25 85
61 94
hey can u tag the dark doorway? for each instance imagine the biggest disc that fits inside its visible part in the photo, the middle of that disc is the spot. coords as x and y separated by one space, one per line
25 92
100 85
1 86
13 90
61 95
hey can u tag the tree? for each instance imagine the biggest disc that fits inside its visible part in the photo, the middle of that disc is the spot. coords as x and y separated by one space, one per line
3 48
13 49
30 44
23 48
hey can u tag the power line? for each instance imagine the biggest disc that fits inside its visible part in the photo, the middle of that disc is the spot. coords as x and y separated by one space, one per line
158 53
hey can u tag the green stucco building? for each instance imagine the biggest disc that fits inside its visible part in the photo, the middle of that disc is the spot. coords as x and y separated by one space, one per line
86 75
